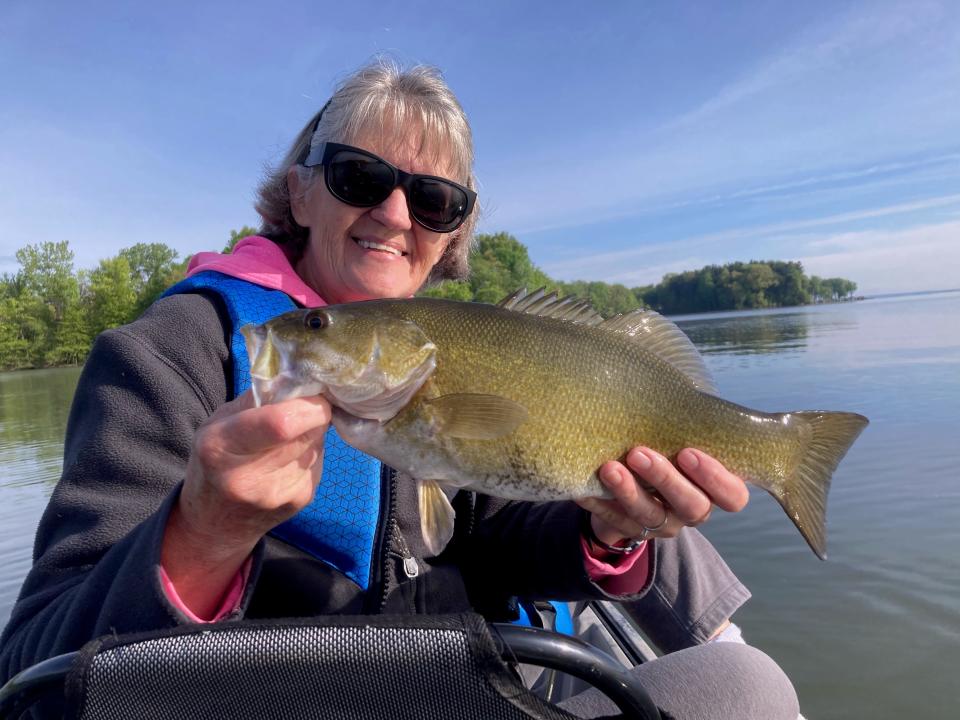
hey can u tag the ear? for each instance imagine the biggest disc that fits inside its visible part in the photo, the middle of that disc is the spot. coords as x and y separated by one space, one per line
297 200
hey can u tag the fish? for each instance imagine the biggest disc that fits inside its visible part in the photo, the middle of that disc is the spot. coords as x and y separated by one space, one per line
526 399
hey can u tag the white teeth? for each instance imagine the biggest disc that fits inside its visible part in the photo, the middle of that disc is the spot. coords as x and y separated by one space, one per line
370 245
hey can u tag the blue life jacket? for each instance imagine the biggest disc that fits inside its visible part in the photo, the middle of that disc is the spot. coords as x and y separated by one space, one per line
338 527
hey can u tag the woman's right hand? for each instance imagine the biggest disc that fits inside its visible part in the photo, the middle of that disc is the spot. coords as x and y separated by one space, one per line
250 469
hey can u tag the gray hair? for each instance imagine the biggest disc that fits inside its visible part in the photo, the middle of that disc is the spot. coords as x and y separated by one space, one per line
379 98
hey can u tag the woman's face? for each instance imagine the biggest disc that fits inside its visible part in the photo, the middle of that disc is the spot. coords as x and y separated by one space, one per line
357 253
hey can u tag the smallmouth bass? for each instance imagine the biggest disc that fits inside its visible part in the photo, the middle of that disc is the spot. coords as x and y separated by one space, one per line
527 399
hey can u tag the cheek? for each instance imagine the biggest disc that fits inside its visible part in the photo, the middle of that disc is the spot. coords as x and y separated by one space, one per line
437 246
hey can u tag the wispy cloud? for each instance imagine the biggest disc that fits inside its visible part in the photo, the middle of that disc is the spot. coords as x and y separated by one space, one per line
607 260
949 160
815 50
894 172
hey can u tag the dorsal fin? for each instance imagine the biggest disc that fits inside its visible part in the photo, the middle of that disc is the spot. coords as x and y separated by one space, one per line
665 340
545 304
658 335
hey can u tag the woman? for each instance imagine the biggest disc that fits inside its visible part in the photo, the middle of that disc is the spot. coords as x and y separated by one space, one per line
180 501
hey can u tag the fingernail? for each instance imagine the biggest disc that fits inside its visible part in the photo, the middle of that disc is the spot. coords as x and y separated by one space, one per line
688 460
640 460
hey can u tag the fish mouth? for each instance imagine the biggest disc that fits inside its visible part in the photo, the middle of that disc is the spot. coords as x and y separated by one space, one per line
367 392
272 379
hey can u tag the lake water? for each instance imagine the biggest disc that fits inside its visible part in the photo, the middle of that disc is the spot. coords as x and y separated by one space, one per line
874 632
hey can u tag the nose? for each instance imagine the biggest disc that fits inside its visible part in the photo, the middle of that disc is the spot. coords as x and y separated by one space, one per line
393 212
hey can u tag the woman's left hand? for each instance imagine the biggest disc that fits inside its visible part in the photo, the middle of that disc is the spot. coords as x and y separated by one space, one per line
653 498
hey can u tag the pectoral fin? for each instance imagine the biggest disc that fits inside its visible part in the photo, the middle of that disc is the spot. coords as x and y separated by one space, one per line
436 516
475 416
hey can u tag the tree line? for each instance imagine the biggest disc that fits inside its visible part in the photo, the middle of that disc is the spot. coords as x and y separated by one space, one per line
500 264
50 313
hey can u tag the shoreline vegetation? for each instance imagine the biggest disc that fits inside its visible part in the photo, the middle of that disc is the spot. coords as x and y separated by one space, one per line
50 313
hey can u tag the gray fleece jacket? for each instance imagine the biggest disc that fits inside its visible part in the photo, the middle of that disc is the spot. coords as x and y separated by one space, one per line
145 389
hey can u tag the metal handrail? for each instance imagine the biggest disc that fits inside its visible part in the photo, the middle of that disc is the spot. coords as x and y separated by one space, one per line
28 686
580 659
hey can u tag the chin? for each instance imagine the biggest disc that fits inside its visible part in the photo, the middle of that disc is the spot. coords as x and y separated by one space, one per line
381 290
384 286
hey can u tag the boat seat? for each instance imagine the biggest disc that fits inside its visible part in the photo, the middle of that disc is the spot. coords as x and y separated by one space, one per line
349 668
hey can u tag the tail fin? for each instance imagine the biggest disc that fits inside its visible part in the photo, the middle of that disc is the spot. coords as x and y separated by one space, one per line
804 496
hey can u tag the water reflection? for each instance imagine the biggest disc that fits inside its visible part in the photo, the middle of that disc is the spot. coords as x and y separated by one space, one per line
33 415
774 333
34 404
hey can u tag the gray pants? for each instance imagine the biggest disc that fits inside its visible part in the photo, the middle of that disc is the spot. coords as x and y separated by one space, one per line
717 681
693 593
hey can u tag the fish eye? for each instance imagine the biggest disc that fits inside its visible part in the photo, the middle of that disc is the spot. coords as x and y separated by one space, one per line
316 320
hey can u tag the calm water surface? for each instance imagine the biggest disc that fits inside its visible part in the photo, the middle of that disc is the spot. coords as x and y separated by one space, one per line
874 632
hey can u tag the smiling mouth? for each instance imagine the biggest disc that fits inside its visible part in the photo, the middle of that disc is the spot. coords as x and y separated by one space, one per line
370 245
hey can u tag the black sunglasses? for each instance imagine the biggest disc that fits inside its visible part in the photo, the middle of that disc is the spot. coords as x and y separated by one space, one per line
362 179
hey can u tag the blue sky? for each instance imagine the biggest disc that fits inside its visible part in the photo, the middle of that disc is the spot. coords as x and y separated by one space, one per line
617 140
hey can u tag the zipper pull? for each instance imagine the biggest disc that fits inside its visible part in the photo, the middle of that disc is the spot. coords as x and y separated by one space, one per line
410 567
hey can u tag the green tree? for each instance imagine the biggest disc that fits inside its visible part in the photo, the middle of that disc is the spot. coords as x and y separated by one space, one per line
72 338
450 290
818 291
151 265
25 324
46 271
755 280
501 264
113 298
792 286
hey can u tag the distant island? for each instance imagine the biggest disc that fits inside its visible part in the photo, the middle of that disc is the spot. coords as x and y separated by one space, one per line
500 264
50 313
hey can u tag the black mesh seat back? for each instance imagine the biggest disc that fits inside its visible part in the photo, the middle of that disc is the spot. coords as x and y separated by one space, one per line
336 667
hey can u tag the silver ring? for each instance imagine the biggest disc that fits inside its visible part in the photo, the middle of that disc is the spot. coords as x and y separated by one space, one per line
648 530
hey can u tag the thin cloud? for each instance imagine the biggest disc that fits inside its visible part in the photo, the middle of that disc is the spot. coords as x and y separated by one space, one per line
814 51
877 176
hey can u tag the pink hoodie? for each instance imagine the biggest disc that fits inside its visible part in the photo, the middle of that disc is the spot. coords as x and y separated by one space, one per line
265 263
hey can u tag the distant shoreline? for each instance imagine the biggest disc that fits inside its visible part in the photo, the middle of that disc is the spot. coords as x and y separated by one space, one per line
777 308
859 298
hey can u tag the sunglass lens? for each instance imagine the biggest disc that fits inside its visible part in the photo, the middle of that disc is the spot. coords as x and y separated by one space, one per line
437 204
358 179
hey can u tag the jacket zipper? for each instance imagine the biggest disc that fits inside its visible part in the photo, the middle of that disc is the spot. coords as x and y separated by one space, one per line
388 509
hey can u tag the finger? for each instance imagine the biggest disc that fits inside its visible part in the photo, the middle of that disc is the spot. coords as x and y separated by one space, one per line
725 489
611 524
690 504
636 504
256 429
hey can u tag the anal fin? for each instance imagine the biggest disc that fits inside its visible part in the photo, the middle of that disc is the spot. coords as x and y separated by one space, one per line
437 516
